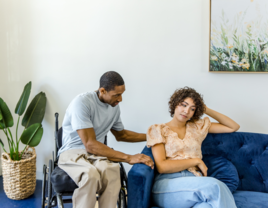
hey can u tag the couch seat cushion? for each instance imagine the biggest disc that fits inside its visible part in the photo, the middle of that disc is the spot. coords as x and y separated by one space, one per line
62 182
251 199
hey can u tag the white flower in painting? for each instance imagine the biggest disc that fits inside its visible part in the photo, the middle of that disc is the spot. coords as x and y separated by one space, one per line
235 58
223 63
230 66
227 58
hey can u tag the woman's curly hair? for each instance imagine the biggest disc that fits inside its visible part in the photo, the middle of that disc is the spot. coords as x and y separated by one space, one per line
180 95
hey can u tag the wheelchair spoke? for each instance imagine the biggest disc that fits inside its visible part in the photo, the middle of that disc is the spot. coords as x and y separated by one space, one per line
44 185
49 182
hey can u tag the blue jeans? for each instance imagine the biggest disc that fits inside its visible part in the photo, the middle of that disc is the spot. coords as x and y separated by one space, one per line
184 190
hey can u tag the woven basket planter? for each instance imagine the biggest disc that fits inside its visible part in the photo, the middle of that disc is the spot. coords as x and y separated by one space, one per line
19 177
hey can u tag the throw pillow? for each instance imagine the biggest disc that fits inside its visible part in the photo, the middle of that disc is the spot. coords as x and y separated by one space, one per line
223 170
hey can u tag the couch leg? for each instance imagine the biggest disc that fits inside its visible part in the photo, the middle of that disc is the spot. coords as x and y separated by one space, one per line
59 200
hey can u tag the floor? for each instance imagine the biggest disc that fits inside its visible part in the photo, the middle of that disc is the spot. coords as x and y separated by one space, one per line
33 201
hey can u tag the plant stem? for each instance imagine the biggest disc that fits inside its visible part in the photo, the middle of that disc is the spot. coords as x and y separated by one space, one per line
3 147
23 151
9 142
17 142
13 143
17 130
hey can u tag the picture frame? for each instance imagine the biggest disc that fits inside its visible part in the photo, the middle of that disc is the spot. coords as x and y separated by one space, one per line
238 41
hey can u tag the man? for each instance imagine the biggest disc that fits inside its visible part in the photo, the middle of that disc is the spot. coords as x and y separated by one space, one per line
84 157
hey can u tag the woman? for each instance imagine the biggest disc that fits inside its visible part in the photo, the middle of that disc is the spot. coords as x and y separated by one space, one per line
176 147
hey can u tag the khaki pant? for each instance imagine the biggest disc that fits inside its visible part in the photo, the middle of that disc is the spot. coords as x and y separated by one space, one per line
92 174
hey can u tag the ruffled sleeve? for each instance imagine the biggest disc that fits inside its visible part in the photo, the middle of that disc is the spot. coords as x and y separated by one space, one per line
203 125
154 135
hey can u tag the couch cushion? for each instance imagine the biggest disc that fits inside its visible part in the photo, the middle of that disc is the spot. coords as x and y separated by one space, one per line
62 182
223 170
250 199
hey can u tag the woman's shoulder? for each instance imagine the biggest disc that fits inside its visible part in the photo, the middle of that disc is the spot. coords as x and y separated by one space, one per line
161 129
202 123
156 127
155 135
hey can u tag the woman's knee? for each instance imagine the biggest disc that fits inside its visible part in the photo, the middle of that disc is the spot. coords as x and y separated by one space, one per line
216 186
215 182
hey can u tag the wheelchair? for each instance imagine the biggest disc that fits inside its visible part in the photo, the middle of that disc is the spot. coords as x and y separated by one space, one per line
58 187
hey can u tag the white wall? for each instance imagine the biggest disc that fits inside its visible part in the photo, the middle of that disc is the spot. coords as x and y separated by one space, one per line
64 47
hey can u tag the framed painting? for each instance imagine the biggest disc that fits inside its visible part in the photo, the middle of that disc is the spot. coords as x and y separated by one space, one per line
238 36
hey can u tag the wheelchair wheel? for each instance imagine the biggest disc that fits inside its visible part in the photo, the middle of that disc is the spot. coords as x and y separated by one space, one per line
122 203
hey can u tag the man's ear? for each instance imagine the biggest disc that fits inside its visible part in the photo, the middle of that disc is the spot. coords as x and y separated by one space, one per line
102 91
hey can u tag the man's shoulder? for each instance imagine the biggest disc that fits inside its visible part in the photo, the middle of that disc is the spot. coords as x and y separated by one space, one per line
84 97
83 100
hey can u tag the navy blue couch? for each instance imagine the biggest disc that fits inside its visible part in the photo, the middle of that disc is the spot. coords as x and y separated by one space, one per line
247 151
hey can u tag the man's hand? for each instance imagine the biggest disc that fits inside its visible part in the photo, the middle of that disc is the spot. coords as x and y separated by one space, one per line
141 158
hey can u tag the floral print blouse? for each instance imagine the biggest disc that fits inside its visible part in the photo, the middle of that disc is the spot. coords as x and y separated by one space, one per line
176 148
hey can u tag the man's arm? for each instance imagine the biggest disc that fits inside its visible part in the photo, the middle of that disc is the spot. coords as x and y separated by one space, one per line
128 136
92 146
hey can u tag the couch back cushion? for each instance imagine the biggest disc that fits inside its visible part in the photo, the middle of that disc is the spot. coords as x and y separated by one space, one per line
249 154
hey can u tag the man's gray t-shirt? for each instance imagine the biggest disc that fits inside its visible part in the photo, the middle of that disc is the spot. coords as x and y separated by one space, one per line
87 111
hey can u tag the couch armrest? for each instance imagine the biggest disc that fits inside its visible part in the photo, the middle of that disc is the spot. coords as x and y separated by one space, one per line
140 182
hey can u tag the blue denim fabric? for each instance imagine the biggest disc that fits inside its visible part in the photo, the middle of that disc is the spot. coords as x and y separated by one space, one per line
184 190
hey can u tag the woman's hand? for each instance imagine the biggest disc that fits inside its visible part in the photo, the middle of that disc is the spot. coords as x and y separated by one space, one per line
201 165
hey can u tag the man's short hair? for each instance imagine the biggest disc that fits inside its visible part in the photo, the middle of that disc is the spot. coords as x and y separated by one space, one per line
111 79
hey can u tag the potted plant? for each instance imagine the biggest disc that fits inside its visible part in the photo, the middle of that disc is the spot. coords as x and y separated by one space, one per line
19 167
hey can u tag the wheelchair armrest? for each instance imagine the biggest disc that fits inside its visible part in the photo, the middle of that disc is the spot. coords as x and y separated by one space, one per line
140 182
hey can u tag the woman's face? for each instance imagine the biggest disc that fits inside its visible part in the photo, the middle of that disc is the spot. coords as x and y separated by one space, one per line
185 110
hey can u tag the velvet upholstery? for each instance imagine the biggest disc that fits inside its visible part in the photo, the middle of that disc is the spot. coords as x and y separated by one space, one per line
251 199
223 170
248 152
140 182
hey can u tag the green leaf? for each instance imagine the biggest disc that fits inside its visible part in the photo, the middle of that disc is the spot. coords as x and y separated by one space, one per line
7 119
1 142
32 135
22 103
1 116
35 111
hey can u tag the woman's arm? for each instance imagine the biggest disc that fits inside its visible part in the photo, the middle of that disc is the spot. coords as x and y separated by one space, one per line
225 125
171 166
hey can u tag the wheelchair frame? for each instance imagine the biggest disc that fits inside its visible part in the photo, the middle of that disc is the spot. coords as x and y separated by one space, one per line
50 198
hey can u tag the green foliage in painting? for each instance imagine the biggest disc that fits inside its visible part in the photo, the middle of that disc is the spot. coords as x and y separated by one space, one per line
237 46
